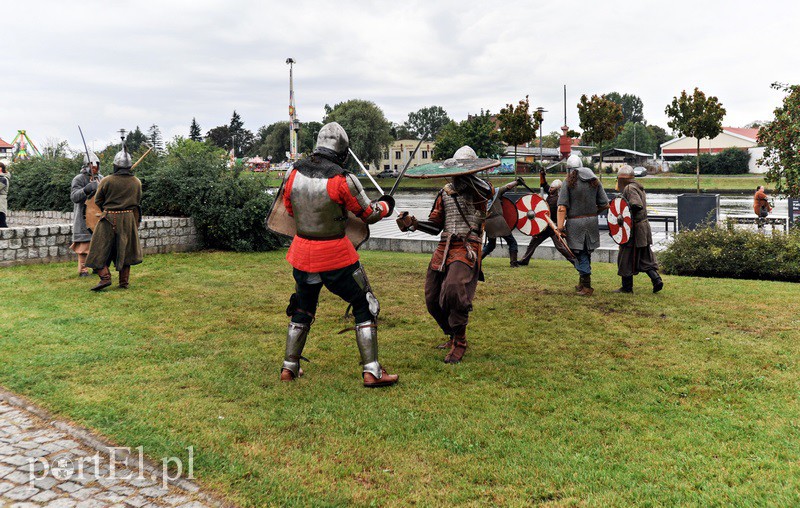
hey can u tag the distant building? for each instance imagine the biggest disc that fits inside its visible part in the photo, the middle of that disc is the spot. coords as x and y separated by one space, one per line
395 157
6 151
730 137
617 157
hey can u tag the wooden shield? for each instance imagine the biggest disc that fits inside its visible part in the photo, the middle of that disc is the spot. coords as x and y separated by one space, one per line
620 221
509 211
532 214
279 221
91 215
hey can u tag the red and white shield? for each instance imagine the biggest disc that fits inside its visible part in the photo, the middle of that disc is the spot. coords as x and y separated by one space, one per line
509 212
620 230
532 213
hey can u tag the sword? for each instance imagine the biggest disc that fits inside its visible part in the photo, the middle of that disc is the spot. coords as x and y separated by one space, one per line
371 179
408 162
88 158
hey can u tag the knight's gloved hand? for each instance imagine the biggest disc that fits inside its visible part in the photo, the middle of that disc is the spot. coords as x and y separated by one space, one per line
406 222
385 203
520 181
90 188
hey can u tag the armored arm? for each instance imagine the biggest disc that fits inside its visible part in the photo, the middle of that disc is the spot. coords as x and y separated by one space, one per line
79 192
368 211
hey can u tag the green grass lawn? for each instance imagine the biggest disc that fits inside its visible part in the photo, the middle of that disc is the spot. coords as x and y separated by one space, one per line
664 182
687 397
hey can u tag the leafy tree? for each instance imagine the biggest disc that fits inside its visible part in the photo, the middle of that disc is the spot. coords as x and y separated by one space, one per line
367 127
477 131
427 122
401 131
307 138
135 139
781 140
600 119
636 136
661 136
275 141
220 137
194 131
632 107
155 139
696 116
517 125
551 140
55 149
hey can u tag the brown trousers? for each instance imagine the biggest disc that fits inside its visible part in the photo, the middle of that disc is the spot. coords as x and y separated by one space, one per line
632 260
449 294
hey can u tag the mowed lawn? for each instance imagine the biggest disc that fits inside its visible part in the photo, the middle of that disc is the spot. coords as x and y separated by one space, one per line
687 397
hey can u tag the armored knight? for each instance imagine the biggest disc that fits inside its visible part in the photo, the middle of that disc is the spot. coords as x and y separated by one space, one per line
579 203
458 215
116 236
84 187
636 255
497 227
318 193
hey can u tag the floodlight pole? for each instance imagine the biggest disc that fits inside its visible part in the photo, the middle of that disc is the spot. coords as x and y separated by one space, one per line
293 124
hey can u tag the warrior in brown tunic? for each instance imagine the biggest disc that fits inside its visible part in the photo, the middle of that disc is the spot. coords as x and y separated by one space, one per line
116 237
458 214
636 255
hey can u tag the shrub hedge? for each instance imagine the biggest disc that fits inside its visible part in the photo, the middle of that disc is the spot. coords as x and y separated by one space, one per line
734 253
190 180
731 161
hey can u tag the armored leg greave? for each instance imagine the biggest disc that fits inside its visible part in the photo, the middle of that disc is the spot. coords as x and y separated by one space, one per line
295 342
367 339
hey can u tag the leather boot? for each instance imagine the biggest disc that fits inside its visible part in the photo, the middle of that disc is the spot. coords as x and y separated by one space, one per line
82 270
448 344
627 285
105 279
457 351
579 287
658 284
124 276
586 282
513 256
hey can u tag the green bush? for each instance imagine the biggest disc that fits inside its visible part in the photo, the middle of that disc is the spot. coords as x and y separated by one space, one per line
734 253
731 161
42 184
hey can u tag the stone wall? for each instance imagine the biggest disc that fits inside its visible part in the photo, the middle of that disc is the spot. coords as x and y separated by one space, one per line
26 218
50 242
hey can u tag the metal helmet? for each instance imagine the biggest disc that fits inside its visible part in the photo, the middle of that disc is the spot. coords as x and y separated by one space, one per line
90 158
574 162
333 137
123 159
625 172
465 152
556 184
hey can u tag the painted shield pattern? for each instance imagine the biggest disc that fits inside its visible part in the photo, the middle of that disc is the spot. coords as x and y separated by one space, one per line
532 214
509 211
620 230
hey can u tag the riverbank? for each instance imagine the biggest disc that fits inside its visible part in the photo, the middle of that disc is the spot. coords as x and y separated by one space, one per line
665 182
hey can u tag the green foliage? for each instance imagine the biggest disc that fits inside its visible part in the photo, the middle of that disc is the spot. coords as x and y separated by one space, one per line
551 140
736 253
696 116
273 140
366 126
632 107
517 125
43 184
661 136
195 133
427 122
402 132
232 135
781 139
155 139
600 119
228 208
307 138
133 140
477 131
635 136
731 161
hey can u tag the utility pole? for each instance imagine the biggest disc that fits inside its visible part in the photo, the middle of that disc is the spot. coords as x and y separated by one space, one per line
294 125
541 112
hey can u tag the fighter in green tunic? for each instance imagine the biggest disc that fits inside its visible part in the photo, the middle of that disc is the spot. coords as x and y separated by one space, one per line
116 237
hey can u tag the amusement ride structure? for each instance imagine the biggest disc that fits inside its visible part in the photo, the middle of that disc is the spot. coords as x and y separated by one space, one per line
21 151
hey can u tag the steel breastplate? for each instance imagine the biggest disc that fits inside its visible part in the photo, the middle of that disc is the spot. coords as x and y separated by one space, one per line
316 215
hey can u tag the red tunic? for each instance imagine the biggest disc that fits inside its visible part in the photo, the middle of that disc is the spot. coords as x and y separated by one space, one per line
325 255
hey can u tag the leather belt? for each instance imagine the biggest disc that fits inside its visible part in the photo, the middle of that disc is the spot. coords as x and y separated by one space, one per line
320 238
583 216
118 211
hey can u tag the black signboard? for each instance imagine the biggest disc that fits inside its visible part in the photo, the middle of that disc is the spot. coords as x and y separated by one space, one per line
794 212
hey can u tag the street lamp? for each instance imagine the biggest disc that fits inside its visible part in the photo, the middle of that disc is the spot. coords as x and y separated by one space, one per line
541 110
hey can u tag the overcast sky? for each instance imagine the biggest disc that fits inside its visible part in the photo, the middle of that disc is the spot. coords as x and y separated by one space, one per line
108 65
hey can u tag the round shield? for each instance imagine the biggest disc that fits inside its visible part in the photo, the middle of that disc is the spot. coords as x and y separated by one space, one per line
509 212
532 211
620 231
